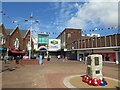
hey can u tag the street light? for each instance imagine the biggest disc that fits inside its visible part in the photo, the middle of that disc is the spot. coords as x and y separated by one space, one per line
31 22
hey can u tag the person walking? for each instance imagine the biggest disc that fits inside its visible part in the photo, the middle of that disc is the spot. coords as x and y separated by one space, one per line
6 59
58 57
66 58
40 59
17 59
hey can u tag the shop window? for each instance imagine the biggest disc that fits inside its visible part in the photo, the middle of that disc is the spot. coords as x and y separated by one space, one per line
107 57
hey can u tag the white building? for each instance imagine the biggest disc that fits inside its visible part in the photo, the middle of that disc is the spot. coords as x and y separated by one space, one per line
35 41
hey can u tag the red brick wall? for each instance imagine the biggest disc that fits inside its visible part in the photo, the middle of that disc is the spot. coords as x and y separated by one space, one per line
107 41
90 43
75 35
94 42
113 41
118 39
87 43
102 41
98 41
16 34
26 39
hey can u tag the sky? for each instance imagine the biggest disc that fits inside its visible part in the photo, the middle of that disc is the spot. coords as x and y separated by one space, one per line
90 16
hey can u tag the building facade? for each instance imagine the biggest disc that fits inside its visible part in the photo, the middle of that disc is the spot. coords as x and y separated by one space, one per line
68 37
14 40
69 40
79 46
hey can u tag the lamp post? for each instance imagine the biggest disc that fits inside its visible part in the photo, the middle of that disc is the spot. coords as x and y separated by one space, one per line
31 23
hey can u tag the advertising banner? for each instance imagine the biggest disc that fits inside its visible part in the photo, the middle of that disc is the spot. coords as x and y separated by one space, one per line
54 44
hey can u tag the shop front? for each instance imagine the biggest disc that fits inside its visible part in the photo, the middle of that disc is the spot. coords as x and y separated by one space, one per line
108 55
14 53
2 52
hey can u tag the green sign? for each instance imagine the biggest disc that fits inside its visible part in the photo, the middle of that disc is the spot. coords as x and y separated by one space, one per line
43 39
54 42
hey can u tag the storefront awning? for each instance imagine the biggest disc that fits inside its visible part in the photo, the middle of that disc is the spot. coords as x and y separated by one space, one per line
17 51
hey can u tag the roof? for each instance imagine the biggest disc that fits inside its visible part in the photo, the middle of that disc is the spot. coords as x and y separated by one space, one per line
8 31
23 33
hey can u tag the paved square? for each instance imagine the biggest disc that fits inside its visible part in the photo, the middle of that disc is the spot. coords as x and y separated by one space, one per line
29 74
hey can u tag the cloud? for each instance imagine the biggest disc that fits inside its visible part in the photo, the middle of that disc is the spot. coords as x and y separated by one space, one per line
95 14
65 12
103 0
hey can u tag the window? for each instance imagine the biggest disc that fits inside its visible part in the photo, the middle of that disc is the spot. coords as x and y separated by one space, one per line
16 43
96 60
69 35
3 41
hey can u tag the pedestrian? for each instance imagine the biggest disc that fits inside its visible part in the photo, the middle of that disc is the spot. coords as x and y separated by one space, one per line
66 58
40 59
17 59
80 59
58 57
48 57
6 59
63 58
85 61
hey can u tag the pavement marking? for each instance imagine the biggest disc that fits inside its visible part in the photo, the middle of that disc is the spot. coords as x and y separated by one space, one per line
112 79
69 85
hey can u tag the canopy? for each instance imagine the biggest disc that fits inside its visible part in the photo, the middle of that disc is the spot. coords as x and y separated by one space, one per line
17 51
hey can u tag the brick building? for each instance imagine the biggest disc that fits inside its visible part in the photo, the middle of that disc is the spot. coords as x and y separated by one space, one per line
69 38
14 39
79 46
